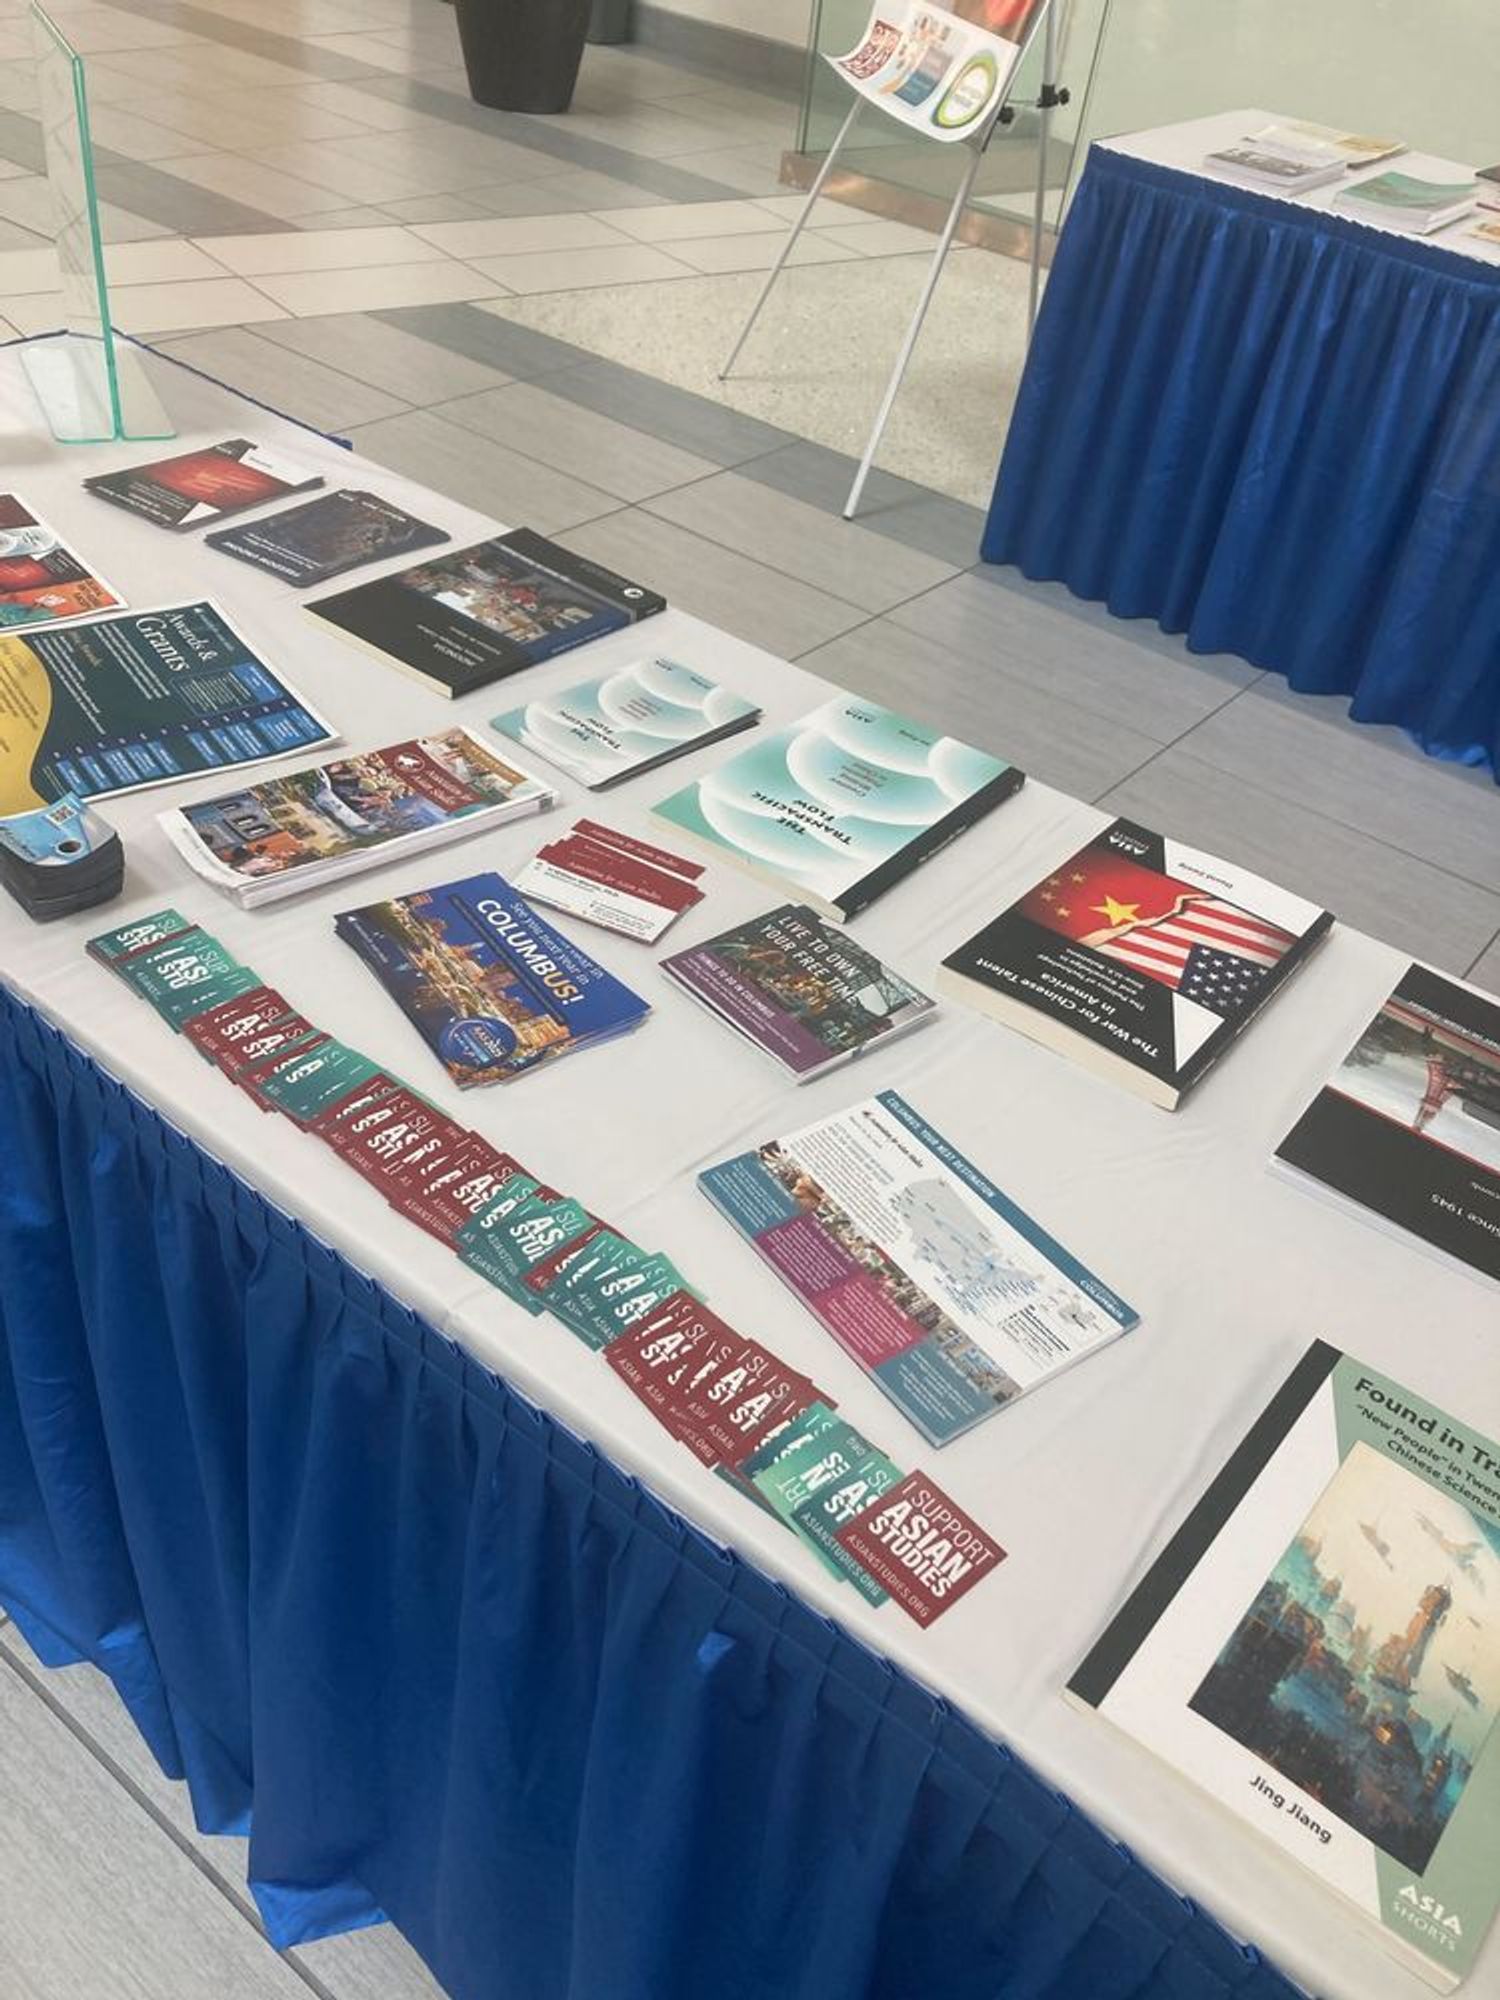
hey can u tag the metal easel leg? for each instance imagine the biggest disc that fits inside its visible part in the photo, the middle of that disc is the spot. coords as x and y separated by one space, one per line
797 227
1046 100
935 271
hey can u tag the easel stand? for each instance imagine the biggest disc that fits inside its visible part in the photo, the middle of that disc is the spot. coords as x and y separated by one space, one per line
1048 98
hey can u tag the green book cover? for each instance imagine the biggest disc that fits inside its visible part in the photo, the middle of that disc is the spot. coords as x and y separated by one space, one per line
1406 193
842 804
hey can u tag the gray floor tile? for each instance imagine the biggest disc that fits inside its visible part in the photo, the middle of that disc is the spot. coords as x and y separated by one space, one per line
715 583
344 218
515 490
1304 747
558 194
417 371
94 1896
179 205
1126 672
802 541
1009 715
291 51
676 415
890 506
480 336
288 381
437 208
1375 888
529 418
1485 971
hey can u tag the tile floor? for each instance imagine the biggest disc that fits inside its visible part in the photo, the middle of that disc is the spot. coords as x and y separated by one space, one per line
301 200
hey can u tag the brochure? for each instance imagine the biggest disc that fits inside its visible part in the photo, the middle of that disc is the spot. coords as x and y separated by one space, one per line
952 1298
1407 1130
474 615
291 833
197 487
1319 1647
325 538
940 70
41 580
1140 957
624 723
608 879
136 698
800 989
843 804
488 984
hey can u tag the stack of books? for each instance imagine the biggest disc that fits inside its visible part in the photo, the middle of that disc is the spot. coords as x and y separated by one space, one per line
1402 201
1294 155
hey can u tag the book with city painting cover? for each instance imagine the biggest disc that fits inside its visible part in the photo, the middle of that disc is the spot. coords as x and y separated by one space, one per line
800 989
1139 957
1407 1129
1319 1648
325 537
949 1296
200 486
843 804
474 615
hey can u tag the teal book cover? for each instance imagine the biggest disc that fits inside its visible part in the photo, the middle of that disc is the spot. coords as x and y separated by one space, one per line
843 804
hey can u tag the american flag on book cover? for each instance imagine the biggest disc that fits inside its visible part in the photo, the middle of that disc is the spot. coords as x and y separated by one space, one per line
1205 949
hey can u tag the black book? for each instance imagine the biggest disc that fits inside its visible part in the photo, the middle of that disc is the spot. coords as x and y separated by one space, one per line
475 615
1407 1129
1139 957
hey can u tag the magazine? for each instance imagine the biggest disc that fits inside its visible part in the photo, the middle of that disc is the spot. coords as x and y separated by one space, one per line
1407 1129
474 615
628 722
800 989
945 1292
843 804
134 698
41 580
491 988
291 833
1319 1647
324 538
201 486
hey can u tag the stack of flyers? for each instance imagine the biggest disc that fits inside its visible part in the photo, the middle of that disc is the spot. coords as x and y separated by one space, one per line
287 834
606 878
41 579
767 1430
628 722
491 988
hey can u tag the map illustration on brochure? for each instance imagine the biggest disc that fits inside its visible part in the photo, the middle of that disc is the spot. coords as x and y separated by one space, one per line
950 1296
41 580
136 698
1319 1646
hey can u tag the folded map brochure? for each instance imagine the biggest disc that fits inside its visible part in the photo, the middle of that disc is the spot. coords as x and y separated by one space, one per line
287 834
609 879
325 537
1406 1132
940 70
800 989
768 1431
939 1286
491 988
474 615
116 702
843 804
202 486
1319 1647
1139 957
628 722
41 580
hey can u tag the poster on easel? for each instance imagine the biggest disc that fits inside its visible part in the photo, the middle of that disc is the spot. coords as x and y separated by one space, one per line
940 70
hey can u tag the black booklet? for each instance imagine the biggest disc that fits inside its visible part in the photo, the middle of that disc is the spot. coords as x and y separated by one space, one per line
1407 1129
197 487
326 537
474 615
1139 957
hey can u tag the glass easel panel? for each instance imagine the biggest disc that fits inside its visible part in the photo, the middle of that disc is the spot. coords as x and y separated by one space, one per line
92 387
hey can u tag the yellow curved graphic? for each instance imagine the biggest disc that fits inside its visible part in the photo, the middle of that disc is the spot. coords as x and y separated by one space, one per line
25 711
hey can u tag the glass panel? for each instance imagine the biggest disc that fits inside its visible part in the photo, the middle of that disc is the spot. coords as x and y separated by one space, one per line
91 387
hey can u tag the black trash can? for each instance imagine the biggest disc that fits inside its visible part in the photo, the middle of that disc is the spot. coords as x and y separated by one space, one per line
522 55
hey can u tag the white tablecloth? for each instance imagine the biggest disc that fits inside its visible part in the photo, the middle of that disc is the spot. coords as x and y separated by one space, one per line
1188 144
1233 1270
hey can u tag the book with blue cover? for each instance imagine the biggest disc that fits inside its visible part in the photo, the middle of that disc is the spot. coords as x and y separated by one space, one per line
489 985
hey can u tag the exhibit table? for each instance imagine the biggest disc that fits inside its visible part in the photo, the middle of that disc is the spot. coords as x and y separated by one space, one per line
1272 429
410 1587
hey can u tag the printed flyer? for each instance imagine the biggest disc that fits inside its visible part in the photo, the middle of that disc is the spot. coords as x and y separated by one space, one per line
941 70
